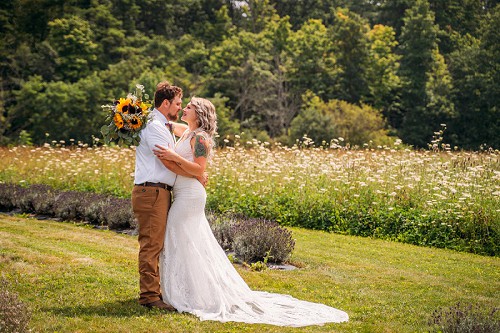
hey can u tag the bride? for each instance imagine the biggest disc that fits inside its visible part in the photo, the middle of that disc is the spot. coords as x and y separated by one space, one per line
196 275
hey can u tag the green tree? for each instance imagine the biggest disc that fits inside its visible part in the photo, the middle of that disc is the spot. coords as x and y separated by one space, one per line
192 54
459 15
284 103
215 26
302 11
251 69
358 125
475 68
118 77
109 35
314 65
32 17
72 39
63 110
227 128
392 12
351 46
262 56
427 84
384 82
256 14
439 88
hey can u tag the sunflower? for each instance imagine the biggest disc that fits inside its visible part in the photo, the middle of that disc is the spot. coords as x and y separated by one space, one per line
123 105
143 106
135 123
118 120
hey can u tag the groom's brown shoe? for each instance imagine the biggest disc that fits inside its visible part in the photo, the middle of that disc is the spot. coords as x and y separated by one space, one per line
159 305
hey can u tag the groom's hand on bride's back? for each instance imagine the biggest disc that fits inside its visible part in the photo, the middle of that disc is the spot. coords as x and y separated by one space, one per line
203 179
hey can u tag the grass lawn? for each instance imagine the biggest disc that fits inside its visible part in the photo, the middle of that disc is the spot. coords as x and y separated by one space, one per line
78 279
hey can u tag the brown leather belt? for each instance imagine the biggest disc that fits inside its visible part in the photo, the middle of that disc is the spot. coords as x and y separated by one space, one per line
162 185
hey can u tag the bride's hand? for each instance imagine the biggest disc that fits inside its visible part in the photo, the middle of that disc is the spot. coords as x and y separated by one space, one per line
203 179
165 153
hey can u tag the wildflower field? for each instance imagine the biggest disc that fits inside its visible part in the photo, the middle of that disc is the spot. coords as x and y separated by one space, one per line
441 199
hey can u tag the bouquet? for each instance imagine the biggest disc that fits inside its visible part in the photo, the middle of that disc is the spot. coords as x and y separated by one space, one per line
127 117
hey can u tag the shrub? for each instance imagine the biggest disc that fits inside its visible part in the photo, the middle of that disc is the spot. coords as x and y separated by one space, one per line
222 228
97 209
40 199
94 212
70 205
14 315
324 121
253 238
118 214
462 318
8 195
24 199
36 198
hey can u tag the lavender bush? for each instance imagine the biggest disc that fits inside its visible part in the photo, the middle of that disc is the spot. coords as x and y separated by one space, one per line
118 214
8 195
222 228
70 205
94 212
41 199
14 314
97 209
253 238
462 318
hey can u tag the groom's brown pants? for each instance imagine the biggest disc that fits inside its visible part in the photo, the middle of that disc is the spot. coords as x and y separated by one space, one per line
150 205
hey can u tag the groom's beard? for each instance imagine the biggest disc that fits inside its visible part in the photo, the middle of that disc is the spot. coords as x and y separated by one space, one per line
172 117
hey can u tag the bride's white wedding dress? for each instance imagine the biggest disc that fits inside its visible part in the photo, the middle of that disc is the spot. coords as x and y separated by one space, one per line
197 277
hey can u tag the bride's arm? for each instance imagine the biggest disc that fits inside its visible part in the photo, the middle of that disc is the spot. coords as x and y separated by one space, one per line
200 151
175 168
172 166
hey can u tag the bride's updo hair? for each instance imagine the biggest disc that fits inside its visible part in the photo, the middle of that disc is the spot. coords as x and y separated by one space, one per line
207 118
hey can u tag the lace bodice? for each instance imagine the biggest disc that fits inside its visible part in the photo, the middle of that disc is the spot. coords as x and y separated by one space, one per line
183 146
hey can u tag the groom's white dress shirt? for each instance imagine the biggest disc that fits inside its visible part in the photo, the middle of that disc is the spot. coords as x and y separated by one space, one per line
148 167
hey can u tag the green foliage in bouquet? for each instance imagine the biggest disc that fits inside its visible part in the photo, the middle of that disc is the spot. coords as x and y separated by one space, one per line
127 117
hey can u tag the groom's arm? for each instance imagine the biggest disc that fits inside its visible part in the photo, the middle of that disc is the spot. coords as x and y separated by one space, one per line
175 168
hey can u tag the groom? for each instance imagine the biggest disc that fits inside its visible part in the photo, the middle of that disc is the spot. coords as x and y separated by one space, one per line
151 195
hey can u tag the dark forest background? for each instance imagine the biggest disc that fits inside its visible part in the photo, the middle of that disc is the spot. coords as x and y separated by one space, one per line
366 71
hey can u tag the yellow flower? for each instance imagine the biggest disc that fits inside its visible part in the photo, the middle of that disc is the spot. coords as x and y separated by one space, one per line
123 105
135 123
118 119
143 106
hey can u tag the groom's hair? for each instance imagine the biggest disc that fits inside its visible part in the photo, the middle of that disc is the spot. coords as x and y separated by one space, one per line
164 90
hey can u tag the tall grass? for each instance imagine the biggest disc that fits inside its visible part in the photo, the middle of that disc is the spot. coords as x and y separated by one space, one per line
444 199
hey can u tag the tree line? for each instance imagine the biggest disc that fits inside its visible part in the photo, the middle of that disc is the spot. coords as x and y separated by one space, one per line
366 71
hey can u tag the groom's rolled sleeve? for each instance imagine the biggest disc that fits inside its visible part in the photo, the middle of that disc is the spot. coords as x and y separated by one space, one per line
158 135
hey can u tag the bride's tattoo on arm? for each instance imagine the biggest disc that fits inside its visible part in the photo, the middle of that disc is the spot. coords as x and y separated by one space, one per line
200 150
